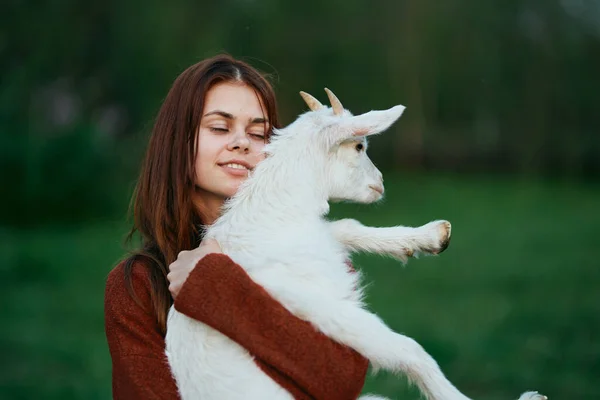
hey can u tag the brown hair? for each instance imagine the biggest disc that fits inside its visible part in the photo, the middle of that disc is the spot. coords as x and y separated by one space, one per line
163 211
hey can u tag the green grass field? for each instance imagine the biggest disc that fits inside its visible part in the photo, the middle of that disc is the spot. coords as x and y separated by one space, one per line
513 304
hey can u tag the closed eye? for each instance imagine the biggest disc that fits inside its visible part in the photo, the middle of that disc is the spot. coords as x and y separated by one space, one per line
216 129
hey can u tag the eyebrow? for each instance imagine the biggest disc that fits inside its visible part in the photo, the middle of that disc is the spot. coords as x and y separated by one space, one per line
229 116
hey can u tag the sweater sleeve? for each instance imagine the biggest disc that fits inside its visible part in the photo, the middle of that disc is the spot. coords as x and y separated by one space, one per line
139 366
219 293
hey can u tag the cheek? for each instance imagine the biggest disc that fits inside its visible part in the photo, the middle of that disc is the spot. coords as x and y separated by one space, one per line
261 156
258 148
257 155
208 146
351 161
207 151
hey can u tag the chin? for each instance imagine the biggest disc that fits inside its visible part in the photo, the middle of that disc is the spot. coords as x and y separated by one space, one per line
232 189
372 198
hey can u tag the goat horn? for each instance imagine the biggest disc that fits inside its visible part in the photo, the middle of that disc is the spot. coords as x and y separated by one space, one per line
338 108
312 103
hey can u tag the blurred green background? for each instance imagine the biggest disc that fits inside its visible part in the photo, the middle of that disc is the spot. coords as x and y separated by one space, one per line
501 136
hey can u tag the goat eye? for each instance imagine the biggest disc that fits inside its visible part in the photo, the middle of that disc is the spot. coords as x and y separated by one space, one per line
359 147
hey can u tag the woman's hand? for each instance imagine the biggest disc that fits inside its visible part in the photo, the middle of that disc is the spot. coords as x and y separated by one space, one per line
186 261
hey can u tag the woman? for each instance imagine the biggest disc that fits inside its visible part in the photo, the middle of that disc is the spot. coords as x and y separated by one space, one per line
208 134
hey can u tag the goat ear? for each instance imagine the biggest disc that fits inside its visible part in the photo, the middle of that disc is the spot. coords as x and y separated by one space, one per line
372 122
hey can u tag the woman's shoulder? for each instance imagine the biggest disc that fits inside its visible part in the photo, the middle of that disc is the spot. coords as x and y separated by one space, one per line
129 281
129 268
130 322
133 266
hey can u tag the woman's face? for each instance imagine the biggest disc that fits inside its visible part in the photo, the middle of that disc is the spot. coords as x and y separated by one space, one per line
230 139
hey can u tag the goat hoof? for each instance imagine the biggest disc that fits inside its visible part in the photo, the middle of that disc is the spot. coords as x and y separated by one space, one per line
445 231
443 246
435 237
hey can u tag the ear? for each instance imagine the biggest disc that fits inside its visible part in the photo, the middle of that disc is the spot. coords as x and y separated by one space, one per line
372 122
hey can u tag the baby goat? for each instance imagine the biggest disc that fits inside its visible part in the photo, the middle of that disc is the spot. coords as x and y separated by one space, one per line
274 227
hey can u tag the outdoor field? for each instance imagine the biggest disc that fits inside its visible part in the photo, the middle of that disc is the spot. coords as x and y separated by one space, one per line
500 136
512 305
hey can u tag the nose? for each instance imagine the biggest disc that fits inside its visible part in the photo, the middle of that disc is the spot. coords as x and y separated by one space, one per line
239 141
377 188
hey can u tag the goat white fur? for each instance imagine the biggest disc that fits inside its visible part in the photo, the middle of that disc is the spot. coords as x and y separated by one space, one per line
274 227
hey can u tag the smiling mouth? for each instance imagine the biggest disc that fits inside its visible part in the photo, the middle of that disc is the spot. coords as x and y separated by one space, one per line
236 166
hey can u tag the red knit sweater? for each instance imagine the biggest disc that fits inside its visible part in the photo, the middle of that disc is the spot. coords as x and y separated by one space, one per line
219 293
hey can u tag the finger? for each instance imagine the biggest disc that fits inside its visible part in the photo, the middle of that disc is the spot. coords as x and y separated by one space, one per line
212 243
174 265
182 253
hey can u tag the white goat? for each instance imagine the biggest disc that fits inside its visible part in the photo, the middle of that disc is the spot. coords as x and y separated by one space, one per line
274 227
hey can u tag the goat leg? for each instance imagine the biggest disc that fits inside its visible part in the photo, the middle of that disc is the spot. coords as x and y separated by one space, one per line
348 323
399 242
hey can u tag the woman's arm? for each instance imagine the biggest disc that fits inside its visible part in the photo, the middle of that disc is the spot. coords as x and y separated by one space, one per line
219 293
137 348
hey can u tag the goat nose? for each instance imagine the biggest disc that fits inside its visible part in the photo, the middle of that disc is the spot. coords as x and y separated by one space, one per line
378 188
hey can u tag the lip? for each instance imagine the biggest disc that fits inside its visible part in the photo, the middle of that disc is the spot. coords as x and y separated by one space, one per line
241 162
236 171
377 188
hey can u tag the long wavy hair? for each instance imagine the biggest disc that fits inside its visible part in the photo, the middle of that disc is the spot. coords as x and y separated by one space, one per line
163 212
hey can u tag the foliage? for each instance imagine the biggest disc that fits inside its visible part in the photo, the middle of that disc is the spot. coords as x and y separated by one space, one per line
496 85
